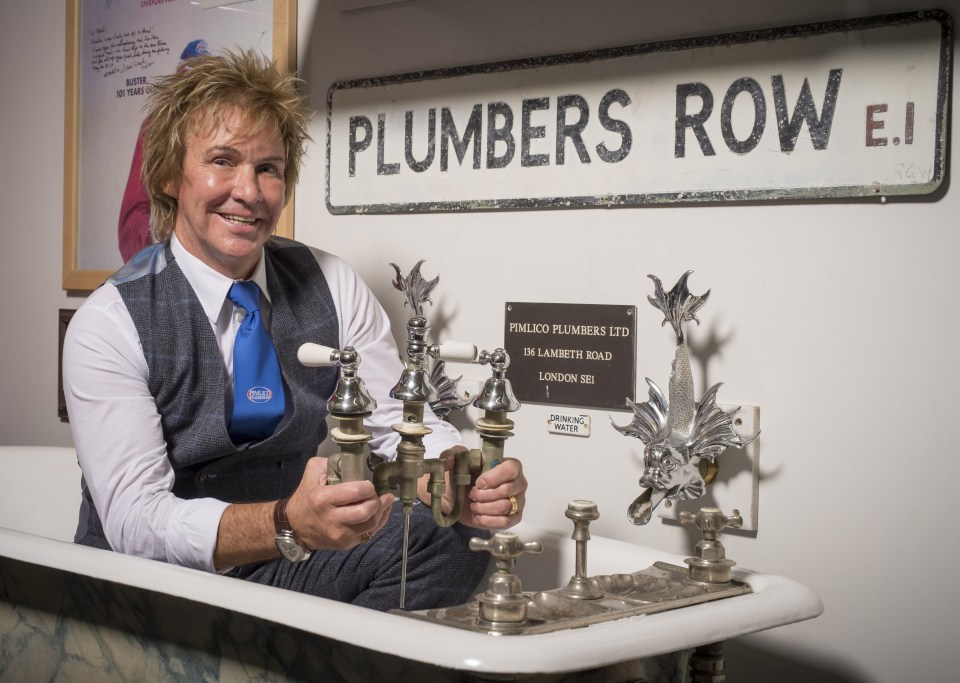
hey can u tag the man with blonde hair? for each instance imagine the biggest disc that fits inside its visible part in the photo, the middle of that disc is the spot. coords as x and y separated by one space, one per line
183 459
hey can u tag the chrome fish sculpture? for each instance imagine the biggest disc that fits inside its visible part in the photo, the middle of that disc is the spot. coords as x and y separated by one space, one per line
682 437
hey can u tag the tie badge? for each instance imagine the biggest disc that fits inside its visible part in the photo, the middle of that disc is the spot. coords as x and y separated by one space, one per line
259 394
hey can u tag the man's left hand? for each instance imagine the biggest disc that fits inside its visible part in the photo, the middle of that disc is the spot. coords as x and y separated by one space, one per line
497 497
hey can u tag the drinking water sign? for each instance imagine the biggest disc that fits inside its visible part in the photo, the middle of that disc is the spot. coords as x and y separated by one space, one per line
839 109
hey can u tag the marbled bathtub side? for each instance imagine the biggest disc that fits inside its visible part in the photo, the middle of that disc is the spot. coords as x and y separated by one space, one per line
60 626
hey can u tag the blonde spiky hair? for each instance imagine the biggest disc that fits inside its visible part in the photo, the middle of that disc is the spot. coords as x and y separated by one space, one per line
197 98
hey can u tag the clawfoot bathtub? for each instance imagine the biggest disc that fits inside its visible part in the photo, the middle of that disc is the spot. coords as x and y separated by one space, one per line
71 613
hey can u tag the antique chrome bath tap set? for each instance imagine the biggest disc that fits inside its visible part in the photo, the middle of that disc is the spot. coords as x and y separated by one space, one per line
418 385
682 439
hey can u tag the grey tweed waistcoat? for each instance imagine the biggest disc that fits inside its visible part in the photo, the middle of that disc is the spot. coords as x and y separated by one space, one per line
187 378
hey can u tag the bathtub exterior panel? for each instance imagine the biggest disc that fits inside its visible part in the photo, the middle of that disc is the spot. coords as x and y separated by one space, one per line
58 625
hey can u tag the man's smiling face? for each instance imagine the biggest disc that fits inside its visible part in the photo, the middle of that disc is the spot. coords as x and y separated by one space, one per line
230 194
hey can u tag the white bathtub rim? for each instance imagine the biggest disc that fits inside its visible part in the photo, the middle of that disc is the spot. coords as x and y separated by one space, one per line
776 601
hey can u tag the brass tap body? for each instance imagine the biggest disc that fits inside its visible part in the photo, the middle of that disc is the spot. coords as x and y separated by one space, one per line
348 464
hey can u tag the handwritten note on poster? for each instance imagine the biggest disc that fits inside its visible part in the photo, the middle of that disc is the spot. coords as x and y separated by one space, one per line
122 51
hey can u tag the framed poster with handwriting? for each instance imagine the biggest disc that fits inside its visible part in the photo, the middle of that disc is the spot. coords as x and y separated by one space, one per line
114 48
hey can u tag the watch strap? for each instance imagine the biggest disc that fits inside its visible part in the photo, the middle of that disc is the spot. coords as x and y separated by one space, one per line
280 521
287 542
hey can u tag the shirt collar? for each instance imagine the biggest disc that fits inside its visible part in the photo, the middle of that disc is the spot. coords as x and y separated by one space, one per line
210 286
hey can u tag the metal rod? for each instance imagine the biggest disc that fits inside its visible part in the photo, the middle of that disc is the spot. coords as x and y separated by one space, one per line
403 563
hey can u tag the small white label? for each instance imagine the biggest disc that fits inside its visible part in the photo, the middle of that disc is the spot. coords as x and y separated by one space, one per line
571 425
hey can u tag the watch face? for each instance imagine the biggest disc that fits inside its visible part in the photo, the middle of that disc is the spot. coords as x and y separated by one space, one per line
289 548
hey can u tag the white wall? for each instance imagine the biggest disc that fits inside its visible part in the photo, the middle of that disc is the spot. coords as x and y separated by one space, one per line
31 80
839 317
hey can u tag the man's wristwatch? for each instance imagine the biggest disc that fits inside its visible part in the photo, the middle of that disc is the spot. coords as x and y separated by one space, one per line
285 540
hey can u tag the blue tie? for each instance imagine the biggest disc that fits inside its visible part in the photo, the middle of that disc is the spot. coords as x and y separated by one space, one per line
258 400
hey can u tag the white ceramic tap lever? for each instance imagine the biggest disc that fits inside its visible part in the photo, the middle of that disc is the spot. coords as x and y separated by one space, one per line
317 356
458 351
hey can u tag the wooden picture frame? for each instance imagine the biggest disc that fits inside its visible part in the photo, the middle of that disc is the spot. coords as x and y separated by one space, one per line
123 65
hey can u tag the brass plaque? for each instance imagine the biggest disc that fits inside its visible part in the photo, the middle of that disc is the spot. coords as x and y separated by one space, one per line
572 354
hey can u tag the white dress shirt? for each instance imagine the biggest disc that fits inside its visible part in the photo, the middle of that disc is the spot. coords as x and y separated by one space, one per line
116 426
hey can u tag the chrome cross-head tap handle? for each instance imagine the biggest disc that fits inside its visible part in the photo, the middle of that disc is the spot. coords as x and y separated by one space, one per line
505 547
503 607
709 563
711 520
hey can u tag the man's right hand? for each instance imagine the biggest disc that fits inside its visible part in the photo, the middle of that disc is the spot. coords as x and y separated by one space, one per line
322 517
335 517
